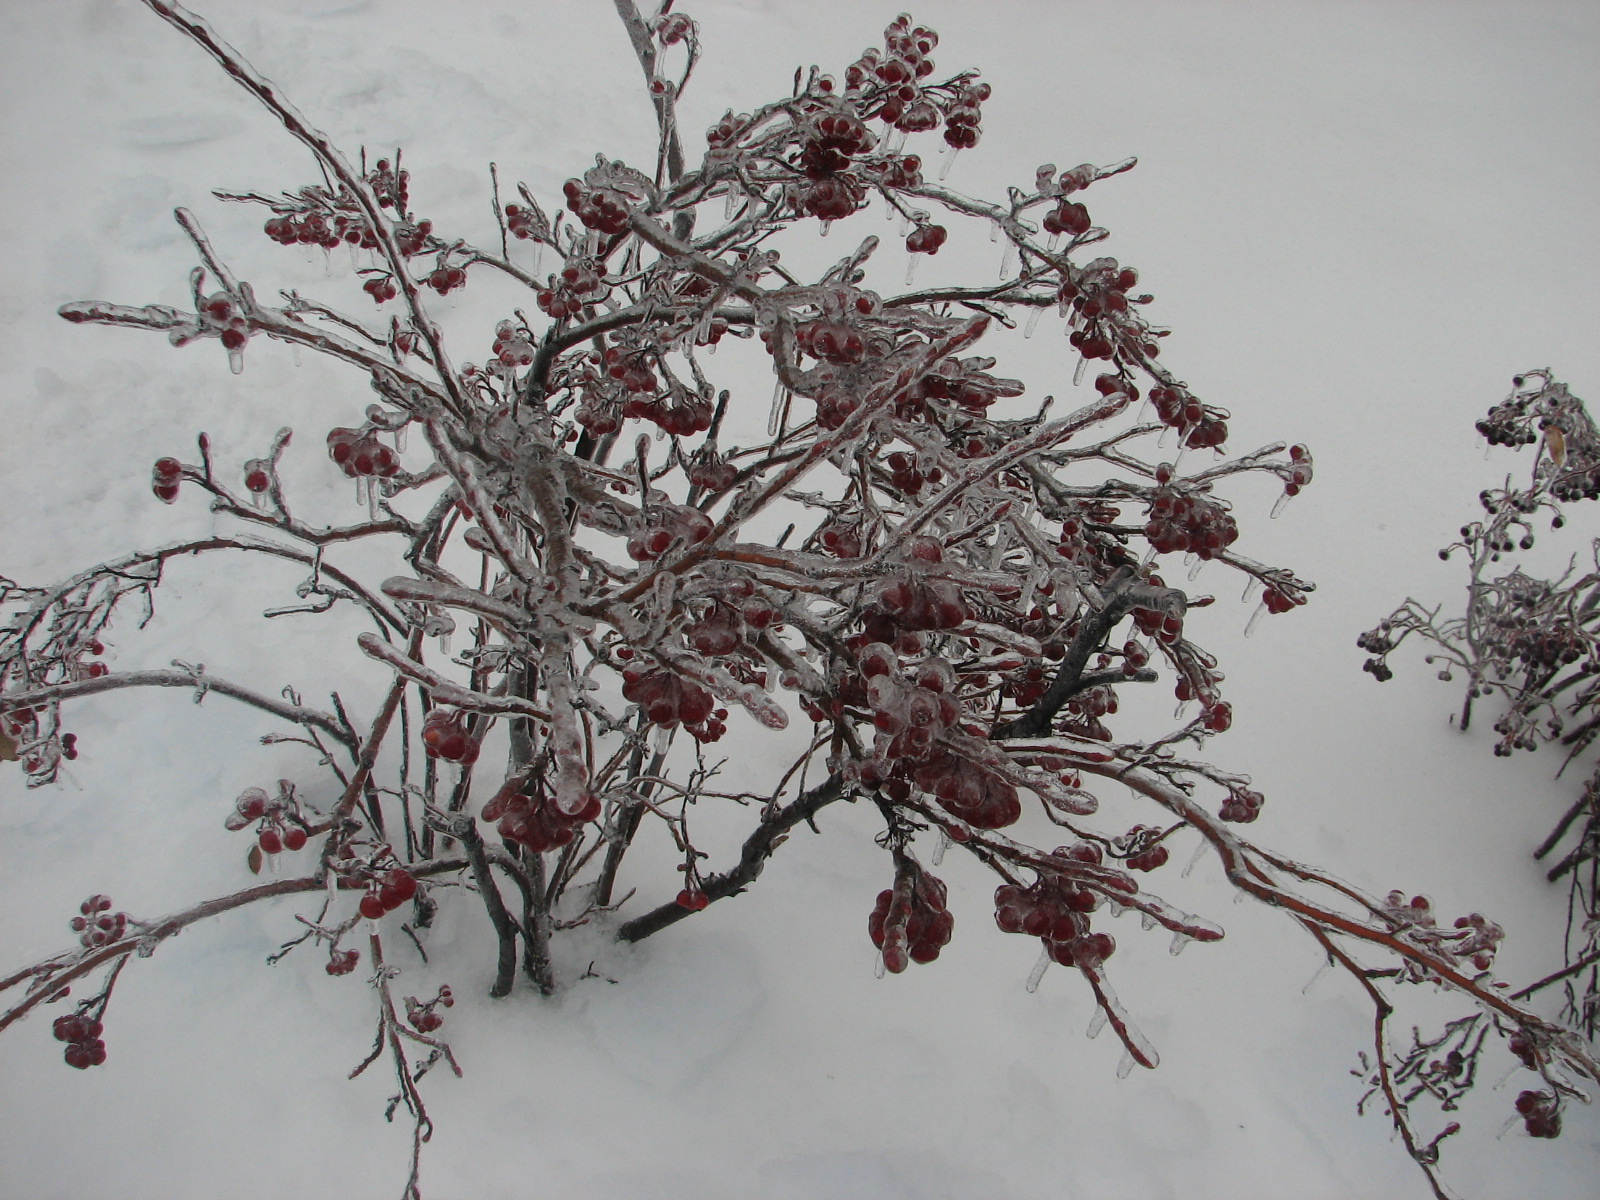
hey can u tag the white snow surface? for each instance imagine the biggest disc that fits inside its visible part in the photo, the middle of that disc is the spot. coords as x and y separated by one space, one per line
1359 219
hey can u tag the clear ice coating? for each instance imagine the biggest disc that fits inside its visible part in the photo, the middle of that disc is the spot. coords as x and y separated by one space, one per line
1039 968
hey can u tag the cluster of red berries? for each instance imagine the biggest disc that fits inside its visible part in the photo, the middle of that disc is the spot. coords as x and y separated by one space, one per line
445 735
668 700
319 229
82 1035
1299 470
1242 805
1540 1113
1140 849
1199 424
910 922
96 925
913 602
631 368
1068 217
674 28
1482 940
525 223
968 790
164 479
908 712
667 524
831 341
841 539
833 198
908 474
513 347
964 382
391 187
387 893
360 453
579 284
1281 597
709 471
342 962
421 1014
1055 909
280 828
600 209
445 280
926 239
721 628
1081 714
1186 522
1103 323
528 815
381 288
223 315
1165 627
413 238
676 411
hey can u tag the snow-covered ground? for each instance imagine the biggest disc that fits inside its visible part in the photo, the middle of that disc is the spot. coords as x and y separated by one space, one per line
1359 219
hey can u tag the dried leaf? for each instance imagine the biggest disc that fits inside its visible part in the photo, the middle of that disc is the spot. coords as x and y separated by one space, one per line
253 860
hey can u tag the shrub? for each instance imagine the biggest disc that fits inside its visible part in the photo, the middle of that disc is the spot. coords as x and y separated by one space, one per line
587 589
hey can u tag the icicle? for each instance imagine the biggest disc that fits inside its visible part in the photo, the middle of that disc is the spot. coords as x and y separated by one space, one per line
444 644
294 353
538 256
1077 374
1179 941
372 499
660 740
1039 968
1146 922
1006 257
1051 242
236 361
780 403
1161 442
1194 859
1277 506
1149 557
911 267
1250 586
1255 618
944 844
822 230
1125 1067
399 437
1327 965
1177 713
1196 568
949 161
878 969
362 489
730 202
1144 410
1033 321
1096 1023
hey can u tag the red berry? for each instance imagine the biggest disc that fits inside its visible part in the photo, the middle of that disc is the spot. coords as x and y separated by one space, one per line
371 906
270 841
294 838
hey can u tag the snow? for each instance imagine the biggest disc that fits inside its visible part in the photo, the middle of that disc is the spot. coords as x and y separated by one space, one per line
1359 219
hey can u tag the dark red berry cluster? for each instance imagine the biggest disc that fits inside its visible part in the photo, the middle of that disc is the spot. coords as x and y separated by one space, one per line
360 453
1056 910
926 238
164 479
528 224
513 345
722 627
1242 805
527 814
910 922
1299 470
1540 1113
579 284
1185 521
674 28
446 735
1103 322
1141 849
669 700
422 1015
601 209
666 525
709 471
82 1034
96 925
832 341
842 539
342 962
446 279
280 828
1198 424
387 893
223 318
